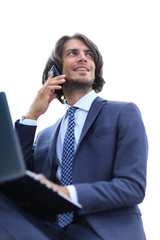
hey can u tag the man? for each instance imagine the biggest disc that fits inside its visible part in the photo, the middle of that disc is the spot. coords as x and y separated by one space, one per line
108 167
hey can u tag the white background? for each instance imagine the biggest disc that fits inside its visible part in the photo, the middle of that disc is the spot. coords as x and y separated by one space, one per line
128 35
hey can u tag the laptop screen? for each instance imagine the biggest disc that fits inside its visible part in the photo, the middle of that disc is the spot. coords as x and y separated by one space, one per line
11 159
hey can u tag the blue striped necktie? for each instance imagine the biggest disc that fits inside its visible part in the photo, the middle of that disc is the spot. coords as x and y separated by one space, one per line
67 157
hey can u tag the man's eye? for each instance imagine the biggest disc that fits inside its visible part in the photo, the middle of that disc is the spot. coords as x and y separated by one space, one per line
71 53
89 54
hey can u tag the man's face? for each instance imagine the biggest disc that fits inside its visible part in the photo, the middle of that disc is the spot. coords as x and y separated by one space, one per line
78 62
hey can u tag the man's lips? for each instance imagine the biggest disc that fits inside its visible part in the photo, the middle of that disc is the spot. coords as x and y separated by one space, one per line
81 68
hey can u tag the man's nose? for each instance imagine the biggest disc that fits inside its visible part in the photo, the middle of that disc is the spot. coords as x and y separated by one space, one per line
82 57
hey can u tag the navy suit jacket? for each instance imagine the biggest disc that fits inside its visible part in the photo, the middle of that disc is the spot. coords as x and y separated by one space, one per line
109 167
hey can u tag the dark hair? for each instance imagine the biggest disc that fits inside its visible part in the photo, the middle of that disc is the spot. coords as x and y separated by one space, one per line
56 58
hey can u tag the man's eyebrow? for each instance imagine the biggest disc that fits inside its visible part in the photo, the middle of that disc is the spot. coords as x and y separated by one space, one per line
71 49
76 49
87 50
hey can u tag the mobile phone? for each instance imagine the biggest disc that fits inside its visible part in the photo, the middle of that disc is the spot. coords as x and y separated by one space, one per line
56 73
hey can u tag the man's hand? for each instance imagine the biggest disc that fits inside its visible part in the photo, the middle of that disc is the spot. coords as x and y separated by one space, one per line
44 97
59 188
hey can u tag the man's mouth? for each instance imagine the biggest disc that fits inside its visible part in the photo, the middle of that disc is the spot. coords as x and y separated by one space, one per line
81 68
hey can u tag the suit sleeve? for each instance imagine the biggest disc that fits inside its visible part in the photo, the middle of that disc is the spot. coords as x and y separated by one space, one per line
127 185
26 136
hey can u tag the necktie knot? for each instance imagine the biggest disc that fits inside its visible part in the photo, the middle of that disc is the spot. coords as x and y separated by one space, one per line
71 111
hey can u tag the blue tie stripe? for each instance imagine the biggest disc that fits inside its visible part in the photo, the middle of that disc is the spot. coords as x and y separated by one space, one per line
67 157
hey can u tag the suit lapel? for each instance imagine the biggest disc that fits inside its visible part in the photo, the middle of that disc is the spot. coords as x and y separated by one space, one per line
92 114
52 142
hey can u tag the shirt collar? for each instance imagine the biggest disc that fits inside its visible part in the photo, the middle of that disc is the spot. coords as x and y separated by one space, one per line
85 102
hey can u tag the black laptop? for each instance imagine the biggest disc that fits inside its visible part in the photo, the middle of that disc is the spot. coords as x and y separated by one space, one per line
21 185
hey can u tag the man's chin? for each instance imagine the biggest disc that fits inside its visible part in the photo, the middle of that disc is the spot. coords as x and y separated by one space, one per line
79 83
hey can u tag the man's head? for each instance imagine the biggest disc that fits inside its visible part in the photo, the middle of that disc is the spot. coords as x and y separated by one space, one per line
79 59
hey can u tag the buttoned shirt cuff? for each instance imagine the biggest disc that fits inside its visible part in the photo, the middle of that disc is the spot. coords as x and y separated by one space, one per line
73 193
29 122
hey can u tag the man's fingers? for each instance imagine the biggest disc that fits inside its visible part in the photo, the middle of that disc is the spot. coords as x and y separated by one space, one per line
54 83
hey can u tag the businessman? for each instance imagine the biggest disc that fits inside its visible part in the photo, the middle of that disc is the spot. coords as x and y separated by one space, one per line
96 153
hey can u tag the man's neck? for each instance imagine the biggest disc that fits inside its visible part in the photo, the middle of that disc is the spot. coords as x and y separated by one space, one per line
73 97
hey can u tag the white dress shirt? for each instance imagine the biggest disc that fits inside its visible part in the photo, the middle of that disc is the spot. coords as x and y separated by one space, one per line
83 105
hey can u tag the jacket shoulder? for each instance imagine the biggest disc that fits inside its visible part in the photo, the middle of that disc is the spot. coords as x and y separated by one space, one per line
118 105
